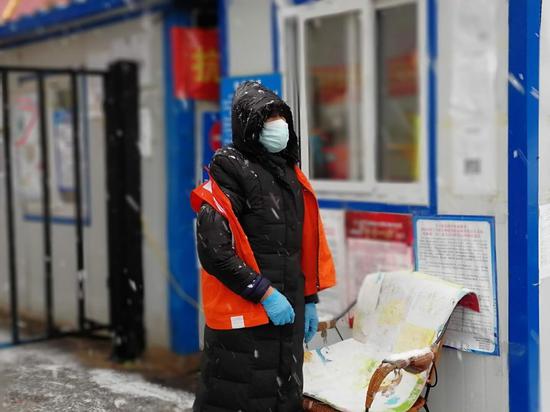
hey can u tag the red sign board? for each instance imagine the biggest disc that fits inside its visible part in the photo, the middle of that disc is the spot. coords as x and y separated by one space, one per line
195 63
379 226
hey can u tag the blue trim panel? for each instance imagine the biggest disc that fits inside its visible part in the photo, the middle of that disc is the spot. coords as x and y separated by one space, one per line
432 103
180 171
524 28
275 36
224 38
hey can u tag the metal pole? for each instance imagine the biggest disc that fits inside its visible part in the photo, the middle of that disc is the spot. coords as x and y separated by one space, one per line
9 209
46 212
124 210
78 202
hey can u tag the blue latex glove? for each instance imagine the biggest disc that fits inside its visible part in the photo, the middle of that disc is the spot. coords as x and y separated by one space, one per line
278 308
312 321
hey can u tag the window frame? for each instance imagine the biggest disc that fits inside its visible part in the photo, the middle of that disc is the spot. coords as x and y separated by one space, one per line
368 189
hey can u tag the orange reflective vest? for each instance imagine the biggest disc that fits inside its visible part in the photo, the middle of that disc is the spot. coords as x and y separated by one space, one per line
224 309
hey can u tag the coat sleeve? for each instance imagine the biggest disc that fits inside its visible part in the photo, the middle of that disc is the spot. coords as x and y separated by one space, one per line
218 257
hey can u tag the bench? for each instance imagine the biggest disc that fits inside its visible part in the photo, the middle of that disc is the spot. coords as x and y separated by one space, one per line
389 363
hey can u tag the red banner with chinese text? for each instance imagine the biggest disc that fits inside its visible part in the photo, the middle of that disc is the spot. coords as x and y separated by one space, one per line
195 63
379 226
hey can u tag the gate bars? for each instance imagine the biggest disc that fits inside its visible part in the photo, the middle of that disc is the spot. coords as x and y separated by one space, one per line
125 265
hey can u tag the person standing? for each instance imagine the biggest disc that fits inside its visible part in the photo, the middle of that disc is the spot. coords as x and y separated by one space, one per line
264 257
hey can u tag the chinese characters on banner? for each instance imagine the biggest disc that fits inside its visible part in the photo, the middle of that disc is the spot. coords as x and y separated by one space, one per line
195 63
376 242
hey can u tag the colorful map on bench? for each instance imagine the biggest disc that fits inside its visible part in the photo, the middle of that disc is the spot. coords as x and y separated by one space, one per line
396 313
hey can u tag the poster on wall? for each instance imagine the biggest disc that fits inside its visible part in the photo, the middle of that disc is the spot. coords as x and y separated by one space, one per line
62 132
229 85
462 250
473 99
27 151
332 301
376 242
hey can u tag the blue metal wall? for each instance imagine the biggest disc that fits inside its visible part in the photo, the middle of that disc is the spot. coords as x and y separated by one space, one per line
180 174
523 109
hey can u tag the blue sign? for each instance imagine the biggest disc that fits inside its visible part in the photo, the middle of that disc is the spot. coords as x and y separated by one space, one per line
210 138
229 85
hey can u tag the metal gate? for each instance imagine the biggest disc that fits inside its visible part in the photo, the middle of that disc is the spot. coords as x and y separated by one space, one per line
125 277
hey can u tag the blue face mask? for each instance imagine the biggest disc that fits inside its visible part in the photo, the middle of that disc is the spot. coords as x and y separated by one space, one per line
274 135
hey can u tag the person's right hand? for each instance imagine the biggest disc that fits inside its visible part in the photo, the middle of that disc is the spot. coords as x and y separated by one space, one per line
278 308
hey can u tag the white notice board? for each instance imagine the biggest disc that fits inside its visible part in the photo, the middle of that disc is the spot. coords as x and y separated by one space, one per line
461 249
544 241
332 301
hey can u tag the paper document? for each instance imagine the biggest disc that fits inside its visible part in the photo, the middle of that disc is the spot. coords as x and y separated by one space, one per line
461 250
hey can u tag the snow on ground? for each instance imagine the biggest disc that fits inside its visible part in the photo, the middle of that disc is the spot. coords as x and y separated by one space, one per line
134 385
41 377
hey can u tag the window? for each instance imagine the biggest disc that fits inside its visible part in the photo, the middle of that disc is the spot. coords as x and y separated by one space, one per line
355 74
333 97
397 94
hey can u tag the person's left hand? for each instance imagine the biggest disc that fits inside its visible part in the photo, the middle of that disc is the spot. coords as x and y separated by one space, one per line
312 321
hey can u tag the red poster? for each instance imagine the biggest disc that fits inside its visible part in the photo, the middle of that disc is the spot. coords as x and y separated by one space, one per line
388 227
376 242
195 63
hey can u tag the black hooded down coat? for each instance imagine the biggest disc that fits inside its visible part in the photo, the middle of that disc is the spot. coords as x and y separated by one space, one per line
259 368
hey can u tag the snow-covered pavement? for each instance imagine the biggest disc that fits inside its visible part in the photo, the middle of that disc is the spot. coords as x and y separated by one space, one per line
48 377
